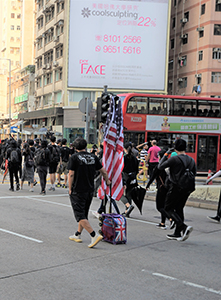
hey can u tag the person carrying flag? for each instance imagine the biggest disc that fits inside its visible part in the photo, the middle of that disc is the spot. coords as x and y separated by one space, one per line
82 167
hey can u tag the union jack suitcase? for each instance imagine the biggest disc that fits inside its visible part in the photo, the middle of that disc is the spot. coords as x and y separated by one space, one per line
114 228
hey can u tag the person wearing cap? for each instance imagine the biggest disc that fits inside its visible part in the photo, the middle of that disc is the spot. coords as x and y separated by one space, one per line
165 126
152 157
175 197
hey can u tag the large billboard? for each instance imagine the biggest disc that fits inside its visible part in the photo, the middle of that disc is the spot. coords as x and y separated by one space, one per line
122 44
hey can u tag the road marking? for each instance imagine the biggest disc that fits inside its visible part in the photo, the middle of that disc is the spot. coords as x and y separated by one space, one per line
20 235
46 201
187 283
43 196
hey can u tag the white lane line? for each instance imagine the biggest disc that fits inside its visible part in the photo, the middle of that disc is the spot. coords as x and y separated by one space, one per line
187 283
46 201
45 196
20 235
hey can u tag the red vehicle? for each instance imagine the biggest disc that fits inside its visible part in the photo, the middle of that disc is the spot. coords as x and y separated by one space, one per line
166 118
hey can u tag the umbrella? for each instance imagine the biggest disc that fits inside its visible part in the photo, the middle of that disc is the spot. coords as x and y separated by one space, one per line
138 194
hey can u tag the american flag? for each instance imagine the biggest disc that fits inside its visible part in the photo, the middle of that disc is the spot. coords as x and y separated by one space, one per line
113 160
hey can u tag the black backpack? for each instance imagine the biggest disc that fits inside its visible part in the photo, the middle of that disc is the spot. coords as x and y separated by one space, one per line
29 161
186 181
14 156
39 157
55 157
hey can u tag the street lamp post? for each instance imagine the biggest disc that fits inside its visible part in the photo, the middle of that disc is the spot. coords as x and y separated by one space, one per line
10 111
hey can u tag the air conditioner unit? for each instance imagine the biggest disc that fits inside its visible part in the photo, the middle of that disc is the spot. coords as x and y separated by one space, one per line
61 22
55 63
48 66
184 20
216 49
170 81
180 79
183 36
198 75
200 29
43 35
36 75
218 2
49 30
44 67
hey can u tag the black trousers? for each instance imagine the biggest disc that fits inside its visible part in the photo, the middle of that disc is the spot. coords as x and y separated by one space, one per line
151 168
13 171
42 173
160 202
174 205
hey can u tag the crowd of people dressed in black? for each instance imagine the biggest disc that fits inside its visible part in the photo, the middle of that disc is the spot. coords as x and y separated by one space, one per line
22 160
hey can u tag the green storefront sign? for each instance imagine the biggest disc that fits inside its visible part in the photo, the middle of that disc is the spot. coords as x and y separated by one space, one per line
21 98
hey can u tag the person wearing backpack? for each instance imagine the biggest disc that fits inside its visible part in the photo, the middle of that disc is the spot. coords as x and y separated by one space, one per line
65 155
28 167
55 158
13 155
42 161
181 184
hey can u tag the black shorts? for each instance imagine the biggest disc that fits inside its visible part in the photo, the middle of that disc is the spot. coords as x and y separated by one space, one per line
53 167
81 203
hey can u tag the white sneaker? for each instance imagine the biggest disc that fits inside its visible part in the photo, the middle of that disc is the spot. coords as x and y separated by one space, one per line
31 190
76 238
95 240
96 214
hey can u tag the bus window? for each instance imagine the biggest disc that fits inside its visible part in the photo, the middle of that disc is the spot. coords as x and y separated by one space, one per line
190 141
166 140
137 105
214 109
184 107
158 106
134 137
204 109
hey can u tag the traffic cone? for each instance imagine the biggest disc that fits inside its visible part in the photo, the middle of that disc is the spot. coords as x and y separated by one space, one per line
209 175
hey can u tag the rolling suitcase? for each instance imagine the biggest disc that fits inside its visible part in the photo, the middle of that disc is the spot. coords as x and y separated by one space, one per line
114 228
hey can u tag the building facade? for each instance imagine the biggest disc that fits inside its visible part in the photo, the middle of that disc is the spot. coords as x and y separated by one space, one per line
16 44
195 48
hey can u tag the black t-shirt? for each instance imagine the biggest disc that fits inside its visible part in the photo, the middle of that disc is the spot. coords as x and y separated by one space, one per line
176 166
65 152
131 164
84 165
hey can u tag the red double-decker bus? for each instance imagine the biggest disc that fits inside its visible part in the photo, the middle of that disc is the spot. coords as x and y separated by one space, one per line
165 118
